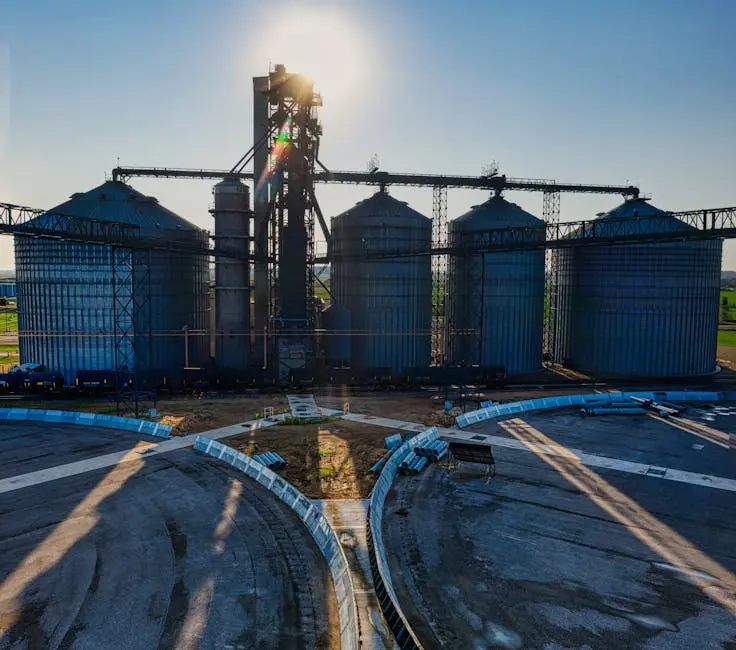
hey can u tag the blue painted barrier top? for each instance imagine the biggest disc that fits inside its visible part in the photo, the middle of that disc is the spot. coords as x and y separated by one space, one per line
526 406
87 420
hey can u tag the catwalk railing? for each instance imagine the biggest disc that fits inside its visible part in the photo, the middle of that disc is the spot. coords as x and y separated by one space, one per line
684 226
717 223
23 221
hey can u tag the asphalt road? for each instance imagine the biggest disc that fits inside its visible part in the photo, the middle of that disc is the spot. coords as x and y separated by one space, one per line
30 446
169 551
553 554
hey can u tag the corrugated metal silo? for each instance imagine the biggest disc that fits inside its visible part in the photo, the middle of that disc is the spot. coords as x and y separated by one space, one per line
337 343
75 300
7 290
389 300
496 300
232 275
638 309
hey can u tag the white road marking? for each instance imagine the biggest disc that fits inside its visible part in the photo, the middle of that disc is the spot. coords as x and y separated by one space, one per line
591 460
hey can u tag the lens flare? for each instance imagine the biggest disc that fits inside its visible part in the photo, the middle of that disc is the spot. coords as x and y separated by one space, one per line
276 158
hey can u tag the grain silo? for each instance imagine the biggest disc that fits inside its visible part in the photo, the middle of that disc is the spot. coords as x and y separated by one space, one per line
495 300
336 335
638 309
388 300
232 216
98 307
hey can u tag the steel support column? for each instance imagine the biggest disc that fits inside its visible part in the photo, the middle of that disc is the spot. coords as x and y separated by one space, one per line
439 273
261 201
551 215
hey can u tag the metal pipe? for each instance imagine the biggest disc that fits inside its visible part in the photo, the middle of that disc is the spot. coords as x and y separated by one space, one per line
185 329
265 347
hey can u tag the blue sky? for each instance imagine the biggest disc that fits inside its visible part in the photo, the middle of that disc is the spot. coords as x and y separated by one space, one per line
575 90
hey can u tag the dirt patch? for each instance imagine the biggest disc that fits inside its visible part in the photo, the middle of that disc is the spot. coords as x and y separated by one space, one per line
196 414
726 356
185 414
192 415
424 409
325 461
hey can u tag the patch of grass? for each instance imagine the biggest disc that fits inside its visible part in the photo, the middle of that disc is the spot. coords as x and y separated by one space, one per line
250 448
326 472
8 320
8 348
291 420
727 311
730 296
727 338
326 453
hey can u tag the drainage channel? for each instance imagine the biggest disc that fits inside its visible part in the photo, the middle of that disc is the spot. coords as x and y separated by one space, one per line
348 518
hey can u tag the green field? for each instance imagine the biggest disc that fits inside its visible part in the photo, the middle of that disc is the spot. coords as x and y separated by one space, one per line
727 338
728 310
8 320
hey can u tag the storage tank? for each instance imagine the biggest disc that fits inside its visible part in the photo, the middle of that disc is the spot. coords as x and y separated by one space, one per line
232 217
7 290
638 309
75 300
496 300
336 340
388 300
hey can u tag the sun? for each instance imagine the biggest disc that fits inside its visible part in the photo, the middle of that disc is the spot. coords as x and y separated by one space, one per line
323 44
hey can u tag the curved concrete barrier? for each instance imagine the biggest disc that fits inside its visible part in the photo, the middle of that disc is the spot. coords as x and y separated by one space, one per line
87 420
526 406
379 563
318 527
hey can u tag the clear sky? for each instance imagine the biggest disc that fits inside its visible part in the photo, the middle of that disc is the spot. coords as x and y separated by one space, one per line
588 91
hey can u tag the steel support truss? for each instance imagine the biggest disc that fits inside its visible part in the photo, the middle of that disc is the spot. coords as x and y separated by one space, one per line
381 178
550 215
692 225
439 273
131 288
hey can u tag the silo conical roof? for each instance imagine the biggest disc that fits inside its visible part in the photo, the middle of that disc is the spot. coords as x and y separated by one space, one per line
117 202
497 212
382 205
650 218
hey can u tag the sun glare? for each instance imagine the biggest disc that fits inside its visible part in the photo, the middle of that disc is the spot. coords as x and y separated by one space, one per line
320 43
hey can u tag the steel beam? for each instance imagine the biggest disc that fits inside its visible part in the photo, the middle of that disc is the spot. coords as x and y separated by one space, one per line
719 223
385 178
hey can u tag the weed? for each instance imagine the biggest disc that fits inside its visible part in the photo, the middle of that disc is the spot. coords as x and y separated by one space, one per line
250 448
293 420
